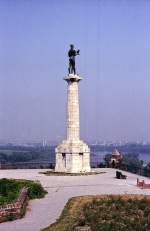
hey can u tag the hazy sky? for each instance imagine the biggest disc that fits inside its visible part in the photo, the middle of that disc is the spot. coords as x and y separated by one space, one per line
114 39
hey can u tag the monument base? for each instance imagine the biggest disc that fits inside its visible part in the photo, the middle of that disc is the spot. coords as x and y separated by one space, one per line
72 157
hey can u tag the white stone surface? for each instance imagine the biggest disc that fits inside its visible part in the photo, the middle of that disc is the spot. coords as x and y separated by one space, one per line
72 155
42 212
73 123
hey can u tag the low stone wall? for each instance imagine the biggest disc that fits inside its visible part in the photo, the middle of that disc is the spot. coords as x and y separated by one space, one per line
14 210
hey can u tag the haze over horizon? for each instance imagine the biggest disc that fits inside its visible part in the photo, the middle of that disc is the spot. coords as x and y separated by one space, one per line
113 37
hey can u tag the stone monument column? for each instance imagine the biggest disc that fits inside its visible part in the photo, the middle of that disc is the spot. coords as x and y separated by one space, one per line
72 155
73 124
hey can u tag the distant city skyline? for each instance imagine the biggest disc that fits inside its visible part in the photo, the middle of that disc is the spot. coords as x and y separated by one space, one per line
55 142
113 37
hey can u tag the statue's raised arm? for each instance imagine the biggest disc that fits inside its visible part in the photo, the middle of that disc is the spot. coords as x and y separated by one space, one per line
71 54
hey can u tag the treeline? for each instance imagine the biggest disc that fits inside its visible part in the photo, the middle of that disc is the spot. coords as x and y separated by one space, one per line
26 156
132 164
18 157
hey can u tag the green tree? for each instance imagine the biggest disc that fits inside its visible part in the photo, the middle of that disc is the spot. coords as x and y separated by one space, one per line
131 163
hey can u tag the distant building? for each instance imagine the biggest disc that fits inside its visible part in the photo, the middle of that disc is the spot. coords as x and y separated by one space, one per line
116 158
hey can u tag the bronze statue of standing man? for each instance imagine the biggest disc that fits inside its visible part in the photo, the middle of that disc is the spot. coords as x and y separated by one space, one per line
71 54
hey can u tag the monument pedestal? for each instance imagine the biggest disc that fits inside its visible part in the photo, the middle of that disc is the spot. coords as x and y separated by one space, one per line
72 155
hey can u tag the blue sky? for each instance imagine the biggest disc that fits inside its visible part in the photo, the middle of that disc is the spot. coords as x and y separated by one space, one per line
113 37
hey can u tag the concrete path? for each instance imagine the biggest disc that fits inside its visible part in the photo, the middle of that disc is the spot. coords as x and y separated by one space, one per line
42 212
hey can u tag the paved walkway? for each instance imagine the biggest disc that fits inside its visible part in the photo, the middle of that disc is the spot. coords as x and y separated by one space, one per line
42 212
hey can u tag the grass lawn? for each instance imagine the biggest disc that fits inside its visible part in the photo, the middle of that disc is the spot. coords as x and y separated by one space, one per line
105 213
10 188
